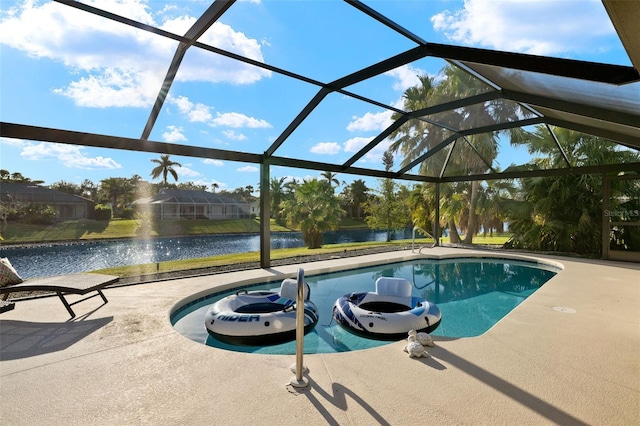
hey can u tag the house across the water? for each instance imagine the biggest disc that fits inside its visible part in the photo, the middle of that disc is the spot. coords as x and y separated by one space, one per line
194 204
67 206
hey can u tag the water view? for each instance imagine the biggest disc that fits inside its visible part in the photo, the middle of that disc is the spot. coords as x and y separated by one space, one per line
57 259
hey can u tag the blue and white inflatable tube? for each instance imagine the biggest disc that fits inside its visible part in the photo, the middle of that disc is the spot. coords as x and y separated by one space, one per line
260 318
388 313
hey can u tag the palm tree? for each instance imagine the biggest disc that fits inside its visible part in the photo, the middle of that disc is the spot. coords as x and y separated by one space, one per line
115 189
421 201
417 137
453 202
276 192
471 155
331 178
214 186
490 199
358 194
164 167
290 188
314 209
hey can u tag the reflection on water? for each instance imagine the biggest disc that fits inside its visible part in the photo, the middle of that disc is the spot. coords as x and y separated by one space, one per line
58 259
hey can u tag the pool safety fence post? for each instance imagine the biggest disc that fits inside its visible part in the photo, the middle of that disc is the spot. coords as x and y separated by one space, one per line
298 380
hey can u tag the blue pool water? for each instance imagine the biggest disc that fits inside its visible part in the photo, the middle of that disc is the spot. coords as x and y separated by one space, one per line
472 293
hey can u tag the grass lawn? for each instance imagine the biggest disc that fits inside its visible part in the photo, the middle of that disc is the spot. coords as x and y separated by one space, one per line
18 233
230 259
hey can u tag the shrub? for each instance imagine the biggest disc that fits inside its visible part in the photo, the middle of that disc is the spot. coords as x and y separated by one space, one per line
38 215
128 213
103 212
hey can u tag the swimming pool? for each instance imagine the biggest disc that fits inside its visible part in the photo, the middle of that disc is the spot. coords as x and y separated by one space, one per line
473 294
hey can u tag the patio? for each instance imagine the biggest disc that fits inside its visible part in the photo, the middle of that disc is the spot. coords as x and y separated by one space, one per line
123 363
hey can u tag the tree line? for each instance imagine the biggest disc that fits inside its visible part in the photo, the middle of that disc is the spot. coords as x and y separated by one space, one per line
559 213
120 192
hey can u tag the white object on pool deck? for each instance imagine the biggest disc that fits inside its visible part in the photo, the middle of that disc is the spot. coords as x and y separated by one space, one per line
415 348
261 317
388 313
424 339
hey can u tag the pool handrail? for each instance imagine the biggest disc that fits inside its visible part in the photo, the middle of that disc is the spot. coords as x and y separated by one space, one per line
298 380
413 239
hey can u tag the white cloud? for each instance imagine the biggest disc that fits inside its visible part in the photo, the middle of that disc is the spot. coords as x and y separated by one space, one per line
104 57
195 113
12 142
356 144
250 169
541 27
204 66
69 155
374 155
201 113
371 122
211 161
406 76
110 88
230 134
199 182
328 148
236 119
168 9
174 134
186 171
182 102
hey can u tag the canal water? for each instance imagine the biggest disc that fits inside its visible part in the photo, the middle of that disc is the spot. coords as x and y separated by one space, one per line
57 259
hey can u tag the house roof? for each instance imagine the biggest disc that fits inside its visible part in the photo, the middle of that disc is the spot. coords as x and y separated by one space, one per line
190 196
37 193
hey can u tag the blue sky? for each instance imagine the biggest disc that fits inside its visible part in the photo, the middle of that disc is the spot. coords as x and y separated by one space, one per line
63 68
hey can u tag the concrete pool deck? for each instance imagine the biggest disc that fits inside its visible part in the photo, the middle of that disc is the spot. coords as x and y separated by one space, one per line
122 363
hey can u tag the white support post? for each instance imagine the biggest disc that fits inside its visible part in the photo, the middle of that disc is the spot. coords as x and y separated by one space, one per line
299 381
